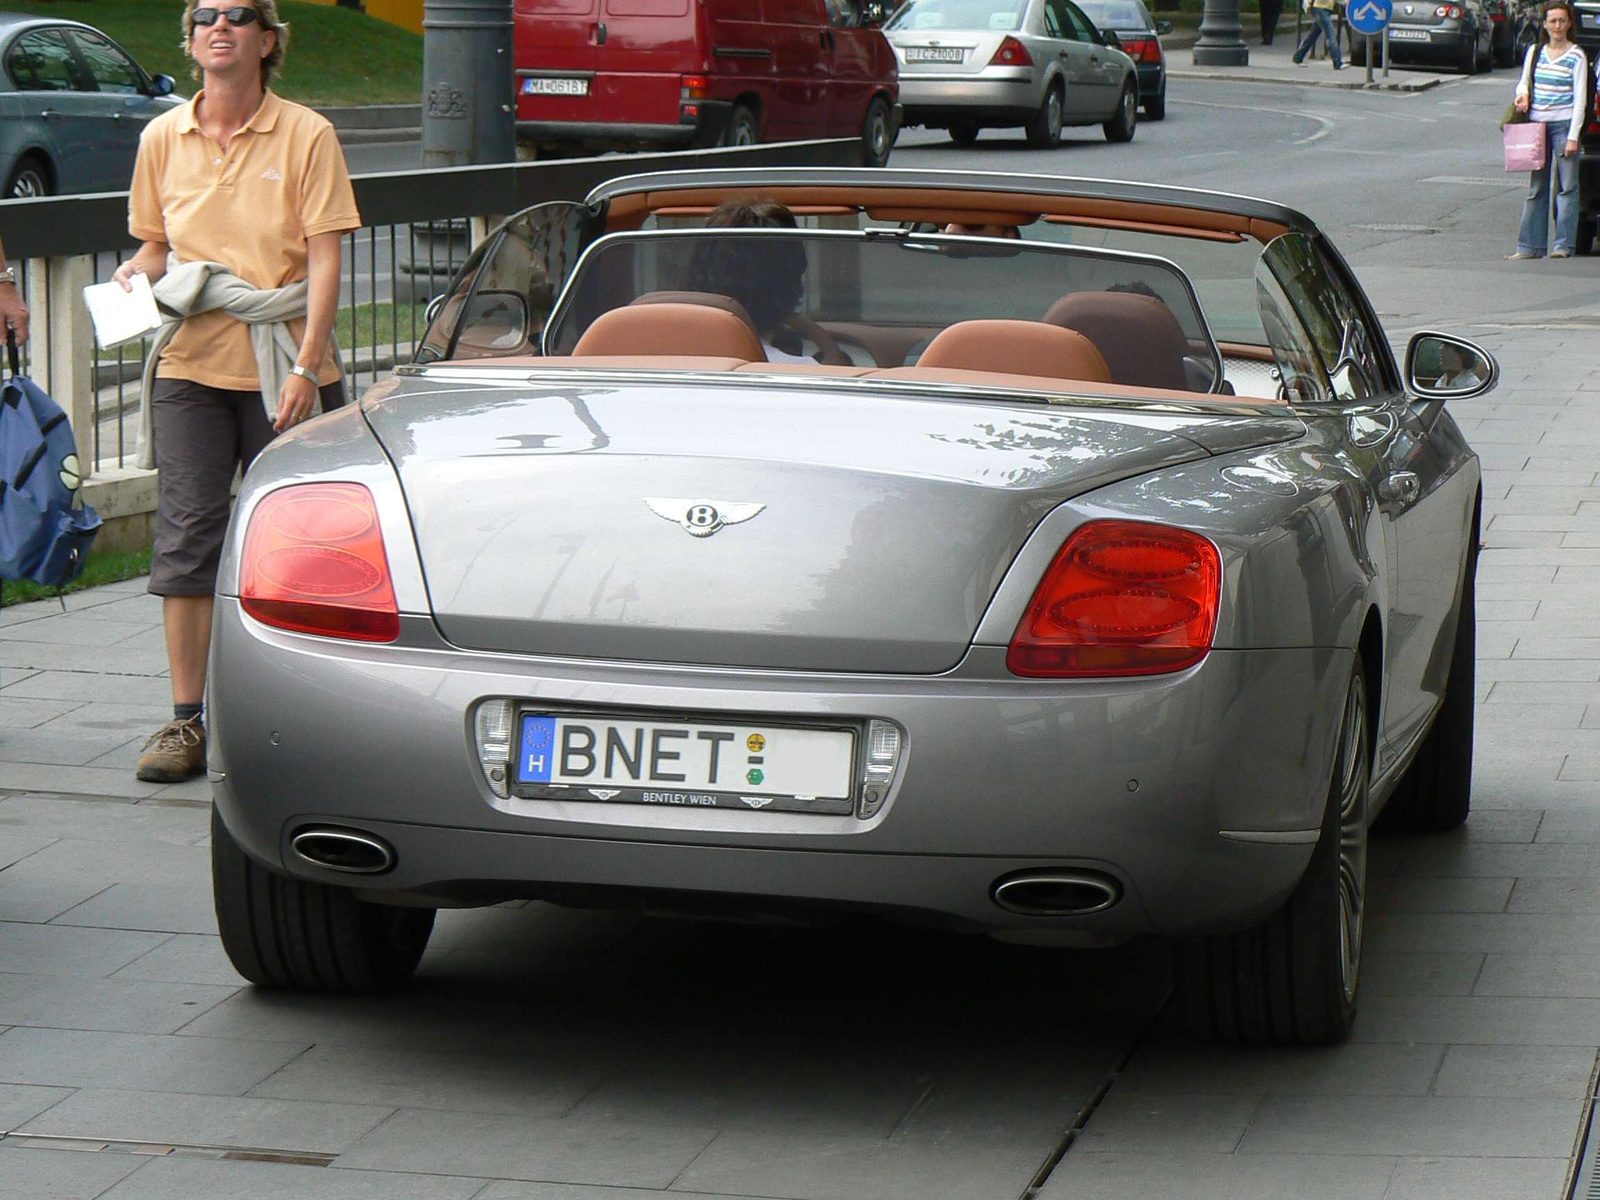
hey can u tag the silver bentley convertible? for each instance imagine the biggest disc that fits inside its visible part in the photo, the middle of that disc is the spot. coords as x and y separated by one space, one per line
1063 560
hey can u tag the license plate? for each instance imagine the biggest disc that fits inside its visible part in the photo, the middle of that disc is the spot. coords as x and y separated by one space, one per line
685 763
555 87
1591 20
1408 35
935 54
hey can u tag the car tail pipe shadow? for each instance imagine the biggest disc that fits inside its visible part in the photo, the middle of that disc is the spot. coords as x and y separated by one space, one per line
1069 893
347 850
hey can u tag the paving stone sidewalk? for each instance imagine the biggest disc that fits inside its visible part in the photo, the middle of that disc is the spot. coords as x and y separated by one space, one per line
547 1054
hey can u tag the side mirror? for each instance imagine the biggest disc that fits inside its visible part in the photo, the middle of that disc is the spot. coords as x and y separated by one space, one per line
1442 367
1163 27
163 85
496 323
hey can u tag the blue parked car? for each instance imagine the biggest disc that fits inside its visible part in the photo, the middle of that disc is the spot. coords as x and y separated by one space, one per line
72 106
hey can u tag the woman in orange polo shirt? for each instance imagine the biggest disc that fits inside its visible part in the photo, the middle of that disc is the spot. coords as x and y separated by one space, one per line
242 178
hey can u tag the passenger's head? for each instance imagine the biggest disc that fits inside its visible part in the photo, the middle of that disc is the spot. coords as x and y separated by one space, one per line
990 230
267 35
766 275
1451 358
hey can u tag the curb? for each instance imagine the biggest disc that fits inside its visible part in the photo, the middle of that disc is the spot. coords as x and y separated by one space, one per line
371 124
1418 85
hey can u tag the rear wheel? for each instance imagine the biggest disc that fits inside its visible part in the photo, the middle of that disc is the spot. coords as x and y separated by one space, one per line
30 178
1505 54
963 133
1467 59
1292 980
1585 242
1123 122
1358 52
877 133
742 128
1044 131
290 933
1435 794
1155 107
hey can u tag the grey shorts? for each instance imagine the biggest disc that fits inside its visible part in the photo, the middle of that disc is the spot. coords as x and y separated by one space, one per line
202 435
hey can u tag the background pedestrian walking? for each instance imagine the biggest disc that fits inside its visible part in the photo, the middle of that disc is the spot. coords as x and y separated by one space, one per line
1322 12
1553 91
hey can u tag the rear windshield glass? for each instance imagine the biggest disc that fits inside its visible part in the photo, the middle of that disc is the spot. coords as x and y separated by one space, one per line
881 297
1113 14
958 14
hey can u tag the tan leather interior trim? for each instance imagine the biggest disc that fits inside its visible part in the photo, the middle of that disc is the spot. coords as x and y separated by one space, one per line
962 216
1246 350
600 362
948 200
1209 235
799 210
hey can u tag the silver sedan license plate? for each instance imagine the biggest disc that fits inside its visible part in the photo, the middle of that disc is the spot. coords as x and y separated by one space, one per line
555 87
584 756
1408 35
935 54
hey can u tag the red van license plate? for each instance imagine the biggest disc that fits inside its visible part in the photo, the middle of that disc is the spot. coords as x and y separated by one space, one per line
555 87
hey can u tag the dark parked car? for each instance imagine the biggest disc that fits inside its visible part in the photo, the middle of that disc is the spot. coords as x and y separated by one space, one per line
72 106
1458 33
1587 35
1140 37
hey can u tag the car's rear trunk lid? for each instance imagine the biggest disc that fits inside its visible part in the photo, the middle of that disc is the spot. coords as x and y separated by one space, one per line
781 528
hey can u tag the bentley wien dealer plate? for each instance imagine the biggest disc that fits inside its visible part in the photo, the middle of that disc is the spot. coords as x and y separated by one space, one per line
935 54
555 87
777 767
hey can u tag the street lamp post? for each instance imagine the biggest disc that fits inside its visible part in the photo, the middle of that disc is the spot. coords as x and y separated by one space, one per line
468 84
1221 41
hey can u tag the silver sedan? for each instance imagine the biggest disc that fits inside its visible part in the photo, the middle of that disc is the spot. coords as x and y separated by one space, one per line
967 65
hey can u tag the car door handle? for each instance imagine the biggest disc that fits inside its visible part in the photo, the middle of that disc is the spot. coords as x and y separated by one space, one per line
1402 486
48 114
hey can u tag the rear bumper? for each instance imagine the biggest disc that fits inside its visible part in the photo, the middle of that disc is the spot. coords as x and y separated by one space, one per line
1152 78
1193 791
1443 45
705 130
1000 101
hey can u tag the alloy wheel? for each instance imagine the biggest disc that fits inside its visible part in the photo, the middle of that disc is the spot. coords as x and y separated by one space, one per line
1352 839
28 184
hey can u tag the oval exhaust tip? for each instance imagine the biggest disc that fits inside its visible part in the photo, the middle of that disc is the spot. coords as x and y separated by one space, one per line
344 850
1057 893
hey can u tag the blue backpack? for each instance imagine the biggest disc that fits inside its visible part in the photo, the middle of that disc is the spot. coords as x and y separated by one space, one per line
45 527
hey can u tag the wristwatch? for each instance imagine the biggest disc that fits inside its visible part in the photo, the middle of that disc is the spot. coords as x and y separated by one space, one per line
8 275
297 369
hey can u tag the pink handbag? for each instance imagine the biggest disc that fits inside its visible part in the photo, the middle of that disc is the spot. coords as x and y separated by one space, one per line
1525 146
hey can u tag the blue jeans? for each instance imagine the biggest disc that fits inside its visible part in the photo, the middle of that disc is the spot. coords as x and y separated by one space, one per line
1323 19
1536 209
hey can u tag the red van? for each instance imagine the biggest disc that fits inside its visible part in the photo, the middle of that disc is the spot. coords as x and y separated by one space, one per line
661 74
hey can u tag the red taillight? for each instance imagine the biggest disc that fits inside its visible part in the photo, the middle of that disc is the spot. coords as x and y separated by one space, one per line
1449 10
696 87
1012 53
314 562
1497 17
1121 598
1142 49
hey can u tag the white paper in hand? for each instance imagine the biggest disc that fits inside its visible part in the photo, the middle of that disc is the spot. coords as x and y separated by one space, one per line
120 316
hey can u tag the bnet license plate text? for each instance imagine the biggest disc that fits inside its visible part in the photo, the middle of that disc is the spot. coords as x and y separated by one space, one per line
591 752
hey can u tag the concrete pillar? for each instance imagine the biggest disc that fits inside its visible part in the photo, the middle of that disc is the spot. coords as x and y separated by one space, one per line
1221 41
468 83
62 348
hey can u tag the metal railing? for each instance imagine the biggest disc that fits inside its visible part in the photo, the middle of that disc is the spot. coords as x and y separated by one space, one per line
420 226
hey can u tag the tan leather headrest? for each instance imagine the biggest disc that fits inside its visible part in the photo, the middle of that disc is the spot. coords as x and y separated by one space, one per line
708 299
673 329
1017 348
1139 336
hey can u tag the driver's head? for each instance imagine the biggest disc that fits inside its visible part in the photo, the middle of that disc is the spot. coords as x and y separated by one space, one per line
993 230
766 275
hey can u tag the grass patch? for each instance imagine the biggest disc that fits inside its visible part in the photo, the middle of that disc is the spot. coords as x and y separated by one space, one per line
371 325
101 568
336 55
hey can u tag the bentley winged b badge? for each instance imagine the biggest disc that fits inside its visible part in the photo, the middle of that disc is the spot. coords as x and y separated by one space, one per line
702 518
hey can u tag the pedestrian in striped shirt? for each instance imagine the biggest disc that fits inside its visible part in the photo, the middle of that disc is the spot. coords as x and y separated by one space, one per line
1558 96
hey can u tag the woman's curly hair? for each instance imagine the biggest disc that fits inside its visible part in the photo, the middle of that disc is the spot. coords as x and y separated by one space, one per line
267 10
764 275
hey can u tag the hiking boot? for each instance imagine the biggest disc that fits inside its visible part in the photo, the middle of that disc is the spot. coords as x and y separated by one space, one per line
175 752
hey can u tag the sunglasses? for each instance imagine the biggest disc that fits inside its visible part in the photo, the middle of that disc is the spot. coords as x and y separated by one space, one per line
237 17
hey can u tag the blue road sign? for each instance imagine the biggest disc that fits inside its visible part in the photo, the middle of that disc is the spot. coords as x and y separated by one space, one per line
1369 16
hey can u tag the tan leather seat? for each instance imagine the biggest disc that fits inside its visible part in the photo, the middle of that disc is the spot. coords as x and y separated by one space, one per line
1017 348
671 329
708 299
1140 338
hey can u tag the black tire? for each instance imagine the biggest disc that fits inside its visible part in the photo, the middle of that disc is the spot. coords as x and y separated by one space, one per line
1358 53
1293 980
1126 119
1044 131
743 129
30 177
963 133
1435 793
289 933
1506 55
1467 63
1585 236
877 133
1155 107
